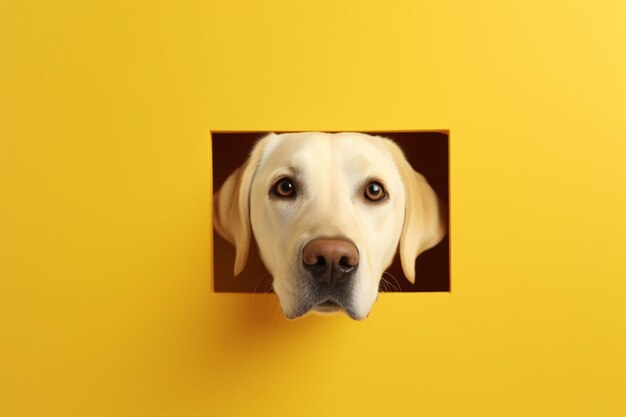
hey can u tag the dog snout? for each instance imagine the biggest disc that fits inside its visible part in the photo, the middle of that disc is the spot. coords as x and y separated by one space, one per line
330 260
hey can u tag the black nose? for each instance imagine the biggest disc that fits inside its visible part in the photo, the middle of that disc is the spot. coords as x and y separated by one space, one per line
330 260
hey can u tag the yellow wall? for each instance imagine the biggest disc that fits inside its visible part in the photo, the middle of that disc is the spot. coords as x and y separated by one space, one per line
106 305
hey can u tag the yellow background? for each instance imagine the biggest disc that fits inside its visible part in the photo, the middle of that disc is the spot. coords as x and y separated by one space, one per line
106 306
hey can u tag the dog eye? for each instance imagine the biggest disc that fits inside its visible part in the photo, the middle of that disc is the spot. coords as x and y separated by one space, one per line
374 191
284 188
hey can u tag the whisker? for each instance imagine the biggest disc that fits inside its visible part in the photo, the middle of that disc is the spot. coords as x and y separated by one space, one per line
397 287
390 286
256 289
263 294
259 282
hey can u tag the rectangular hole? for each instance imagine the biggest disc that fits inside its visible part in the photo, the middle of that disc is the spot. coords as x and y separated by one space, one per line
428 154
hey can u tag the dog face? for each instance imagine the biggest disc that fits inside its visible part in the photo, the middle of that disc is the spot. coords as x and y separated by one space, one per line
328 212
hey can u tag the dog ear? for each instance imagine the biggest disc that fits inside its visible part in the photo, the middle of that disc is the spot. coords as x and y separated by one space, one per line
231 207
424 218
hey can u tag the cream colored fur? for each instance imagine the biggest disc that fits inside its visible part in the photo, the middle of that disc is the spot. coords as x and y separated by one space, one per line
331 171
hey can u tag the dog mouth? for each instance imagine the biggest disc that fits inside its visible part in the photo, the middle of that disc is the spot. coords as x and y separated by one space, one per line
320 297
328 306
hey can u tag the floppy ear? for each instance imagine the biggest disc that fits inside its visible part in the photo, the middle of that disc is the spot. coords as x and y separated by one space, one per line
231 207
424 217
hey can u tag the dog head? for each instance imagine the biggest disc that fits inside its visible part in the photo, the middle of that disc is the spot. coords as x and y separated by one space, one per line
328 212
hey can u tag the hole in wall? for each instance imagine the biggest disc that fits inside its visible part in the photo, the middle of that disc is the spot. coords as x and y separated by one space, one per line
428 154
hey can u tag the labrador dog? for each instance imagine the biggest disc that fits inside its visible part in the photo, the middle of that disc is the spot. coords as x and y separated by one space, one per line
328 212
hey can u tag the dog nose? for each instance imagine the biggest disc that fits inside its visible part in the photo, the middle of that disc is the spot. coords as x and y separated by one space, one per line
330 260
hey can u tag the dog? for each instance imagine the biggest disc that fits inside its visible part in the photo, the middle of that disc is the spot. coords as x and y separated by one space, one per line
328 212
